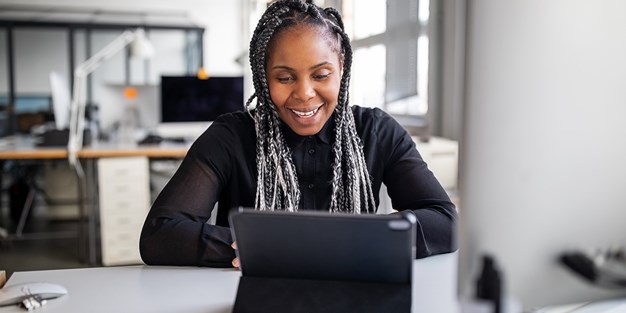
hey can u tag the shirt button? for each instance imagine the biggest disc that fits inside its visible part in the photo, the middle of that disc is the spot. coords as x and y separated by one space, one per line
311 186
311 151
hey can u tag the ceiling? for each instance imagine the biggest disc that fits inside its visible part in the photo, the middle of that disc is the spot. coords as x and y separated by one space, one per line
85 15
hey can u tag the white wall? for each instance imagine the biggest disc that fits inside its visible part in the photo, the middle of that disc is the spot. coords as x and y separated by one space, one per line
542 157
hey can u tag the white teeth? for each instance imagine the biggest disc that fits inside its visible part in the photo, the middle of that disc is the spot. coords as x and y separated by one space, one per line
305 114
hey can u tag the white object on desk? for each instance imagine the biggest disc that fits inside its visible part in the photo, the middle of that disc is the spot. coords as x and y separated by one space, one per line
16 293
190 131
60 100
124 195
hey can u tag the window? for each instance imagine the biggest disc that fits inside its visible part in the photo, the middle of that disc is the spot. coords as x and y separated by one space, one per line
369 17
390 46
368 76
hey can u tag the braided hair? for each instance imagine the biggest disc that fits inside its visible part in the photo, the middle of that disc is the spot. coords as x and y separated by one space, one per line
277 181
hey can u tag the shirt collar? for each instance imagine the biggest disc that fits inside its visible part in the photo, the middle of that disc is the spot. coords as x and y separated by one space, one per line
324 135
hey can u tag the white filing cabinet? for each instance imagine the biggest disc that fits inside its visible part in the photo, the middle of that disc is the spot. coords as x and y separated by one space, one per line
124 195
442 157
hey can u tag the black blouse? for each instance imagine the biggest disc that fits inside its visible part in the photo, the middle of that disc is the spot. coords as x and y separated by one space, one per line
220 167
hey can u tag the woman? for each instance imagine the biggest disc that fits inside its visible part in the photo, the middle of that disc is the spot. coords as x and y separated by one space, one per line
302 148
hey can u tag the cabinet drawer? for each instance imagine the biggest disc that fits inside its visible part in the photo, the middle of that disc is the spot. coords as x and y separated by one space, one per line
121 247
122 238
127 189
117 206
123 169
121 222
119 255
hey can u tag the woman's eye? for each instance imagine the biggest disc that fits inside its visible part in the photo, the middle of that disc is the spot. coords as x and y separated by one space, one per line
284 79
320 76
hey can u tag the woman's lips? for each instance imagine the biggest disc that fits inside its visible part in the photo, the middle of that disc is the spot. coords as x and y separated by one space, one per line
305 114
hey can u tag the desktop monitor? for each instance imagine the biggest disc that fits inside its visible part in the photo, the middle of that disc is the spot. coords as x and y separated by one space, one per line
190 104
543 152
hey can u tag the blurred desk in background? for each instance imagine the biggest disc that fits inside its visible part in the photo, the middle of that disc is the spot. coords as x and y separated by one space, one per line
23 147
124 180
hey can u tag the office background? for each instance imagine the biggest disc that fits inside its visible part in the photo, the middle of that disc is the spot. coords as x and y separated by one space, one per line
408 50
429 86
398 66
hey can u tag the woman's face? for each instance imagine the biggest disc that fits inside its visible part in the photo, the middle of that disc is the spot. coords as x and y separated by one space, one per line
304 75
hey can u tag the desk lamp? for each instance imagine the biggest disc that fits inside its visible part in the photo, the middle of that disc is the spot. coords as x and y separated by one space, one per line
140 47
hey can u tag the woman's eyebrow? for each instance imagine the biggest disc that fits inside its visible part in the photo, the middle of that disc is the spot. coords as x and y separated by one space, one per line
285 67
319 65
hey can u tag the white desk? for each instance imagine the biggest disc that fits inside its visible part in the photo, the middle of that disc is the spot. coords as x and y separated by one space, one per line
157 289
208 290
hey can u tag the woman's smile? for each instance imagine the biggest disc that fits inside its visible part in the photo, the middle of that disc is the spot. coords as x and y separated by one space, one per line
305 114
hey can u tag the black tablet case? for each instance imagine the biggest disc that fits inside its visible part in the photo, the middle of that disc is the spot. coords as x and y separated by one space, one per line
320 262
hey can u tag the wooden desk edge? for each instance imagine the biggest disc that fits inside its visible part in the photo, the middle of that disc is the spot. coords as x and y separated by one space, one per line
53 153
91 153
151 152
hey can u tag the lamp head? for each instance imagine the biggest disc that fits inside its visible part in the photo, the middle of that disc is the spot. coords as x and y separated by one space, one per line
141 47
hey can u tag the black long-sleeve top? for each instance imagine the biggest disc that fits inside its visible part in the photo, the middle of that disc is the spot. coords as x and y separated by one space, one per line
221 167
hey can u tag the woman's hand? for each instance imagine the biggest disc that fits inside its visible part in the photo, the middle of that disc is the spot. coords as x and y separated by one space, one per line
235 261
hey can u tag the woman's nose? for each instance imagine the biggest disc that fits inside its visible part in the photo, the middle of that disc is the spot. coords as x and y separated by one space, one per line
304 90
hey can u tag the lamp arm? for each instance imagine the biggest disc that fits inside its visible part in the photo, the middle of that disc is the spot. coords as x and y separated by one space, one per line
106 53
77 105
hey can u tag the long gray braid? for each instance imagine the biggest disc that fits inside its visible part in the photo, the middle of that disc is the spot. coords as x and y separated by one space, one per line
277 181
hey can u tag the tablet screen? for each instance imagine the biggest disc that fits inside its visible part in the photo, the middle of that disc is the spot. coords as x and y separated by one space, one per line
325 246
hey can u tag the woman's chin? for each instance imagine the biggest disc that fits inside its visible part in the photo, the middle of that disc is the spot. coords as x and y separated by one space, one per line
306 125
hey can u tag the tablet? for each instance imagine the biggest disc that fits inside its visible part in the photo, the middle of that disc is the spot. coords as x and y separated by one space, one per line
325 246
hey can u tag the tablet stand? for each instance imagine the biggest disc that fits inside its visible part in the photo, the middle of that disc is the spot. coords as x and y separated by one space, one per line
262 294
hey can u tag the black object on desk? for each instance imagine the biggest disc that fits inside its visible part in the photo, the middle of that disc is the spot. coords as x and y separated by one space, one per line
489 284
151 140
321 262
58 137
605 269
264 294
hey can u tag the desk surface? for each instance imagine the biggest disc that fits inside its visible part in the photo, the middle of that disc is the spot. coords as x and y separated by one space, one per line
22 147
211 290
207 290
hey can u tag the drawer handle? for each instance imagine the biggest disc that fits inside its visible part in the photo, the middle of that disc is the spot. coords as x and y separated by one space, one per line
120 172
121 188
122 205
123 221
124 237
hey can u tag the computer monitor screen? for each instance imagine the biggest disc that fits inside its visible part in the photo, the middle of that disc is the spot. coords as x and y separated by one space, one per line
189 99
543 152
190 104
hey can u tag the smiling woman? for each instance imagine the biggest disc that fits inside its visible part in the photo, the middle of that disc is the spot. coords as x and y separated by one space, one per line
303 147
304 86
